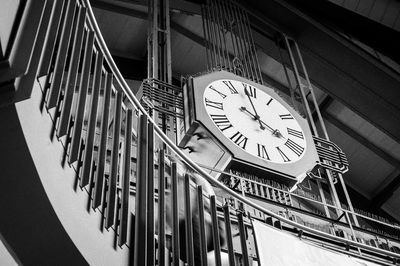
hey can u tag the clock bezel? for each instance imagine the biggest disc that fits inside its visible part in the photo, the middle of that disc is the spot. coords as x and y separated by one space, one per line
198 112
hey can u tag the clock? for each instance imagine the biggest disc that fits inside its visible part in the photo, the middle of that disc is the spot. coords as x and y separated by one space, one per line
250 122
255 121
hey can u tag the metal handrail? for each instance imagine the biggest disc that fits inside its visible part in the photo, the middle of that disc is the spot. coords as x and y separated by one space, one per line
192 164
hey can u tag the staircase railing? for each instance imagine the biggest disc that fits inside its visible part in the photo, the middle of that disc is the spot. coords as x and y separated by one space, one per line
113 144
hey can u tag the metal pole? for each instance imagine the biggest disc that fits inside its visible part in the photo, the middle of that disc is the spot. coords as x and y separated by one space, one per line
303 96
161 208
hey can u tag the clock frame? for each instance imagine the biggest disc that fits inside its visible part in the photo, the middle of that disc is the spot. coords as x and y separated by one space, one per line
197 116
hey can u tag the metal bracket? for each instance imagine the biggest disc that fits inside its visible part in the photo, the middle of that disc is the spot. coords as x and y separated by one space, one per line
331 156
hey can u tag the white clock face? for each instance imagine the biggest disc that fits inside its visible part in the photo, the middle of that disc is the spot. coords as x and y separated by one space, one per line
254 121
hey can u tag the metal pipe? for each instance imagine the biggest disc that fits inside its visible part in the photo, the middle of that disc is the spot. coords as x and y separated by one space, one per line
242 234
202 231
254 48
246 44
206 40
150 196
215 231
141 191
175 216
188 223
125 183
303 96
114 167
316 105
227 218
161 208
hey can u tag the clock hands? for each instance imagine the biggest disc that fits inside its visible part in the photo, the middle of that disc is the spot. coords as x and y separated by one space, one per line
275 132
256 116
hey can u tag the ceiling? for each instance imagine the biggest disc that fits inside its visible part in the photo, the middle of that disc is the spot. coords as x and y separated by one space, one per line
358 87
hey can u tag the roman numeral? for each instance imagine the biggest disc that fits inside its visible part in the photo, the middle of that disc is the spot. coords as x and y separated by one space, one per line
295 133
239 140
283 155
221 121
214 104
270 100
262 151
230 86
296 148
250 91
220 93
286 116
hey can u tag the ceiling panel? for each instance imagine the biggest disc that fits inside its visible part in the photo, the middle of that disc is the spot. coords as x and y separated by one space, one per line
392 205
365 129
125 35
367 170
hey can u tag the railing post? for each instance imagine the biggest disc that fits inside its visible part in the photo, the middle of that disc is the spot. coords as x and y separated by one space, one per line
141 195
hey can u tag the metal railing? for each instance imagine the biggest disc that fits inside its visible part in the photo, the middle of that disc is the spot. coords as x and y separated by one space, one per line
111 142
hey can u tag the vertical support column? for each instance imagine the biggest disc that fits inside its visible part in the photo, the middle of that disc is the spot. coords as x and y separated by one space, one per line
141 195
215 231
243 244
188 223
299 83
150 195
321 192
161 210
125 183
228 229
202 231
175 216
112 183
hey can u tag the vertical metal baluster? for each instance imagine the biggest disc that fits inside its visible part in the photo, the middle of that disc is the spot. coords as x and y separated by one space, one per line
213 62
72 74
141 194
161 209
125 182
243 244
213 33
150 196
254 48
83 90
112 182
247 44
222 26
228 229
227 14
53 33
237 43
202 231
241 41
188 223
175 216
220 32
206 39
91 132
101 158
62 52
215 230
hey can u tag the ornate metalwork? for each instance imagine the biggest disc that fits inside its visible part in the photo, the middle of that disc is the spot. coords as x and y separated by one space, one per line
331 156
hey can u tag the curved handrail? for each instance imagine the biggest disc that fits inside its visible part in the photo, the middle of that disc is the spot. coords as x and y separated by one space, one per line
209 178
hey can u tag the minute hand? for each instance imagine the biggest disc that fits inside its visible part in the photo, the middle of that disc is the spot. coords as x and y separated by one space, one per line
275 132
256 116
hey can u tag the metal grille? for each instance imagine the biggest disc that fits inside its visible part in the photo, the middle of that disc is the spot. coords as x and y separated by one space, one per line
162 97
331 156
229 42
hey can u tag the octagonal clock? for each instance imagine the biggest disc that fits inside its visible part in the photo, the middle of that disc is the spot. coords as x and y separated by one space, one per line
251 122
